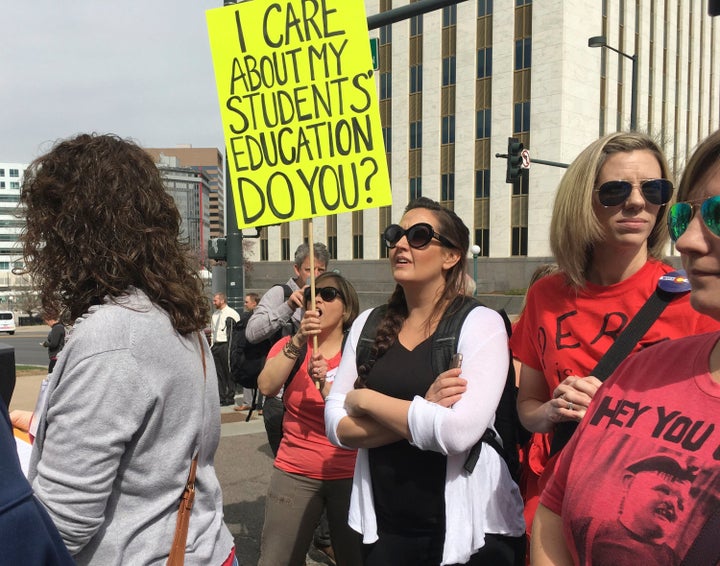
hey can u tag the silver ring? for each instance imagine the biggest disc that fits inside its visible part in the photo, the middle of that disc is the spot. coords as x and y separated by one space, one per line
569 406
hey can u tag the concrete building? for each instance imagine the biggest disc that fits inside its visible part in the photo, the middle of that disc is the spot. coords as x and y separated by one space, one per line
455 83
11 219
190 189
210 162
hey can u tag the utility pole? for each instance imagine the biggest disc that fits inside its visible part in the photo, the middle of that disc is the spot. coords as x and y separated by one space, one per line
235 280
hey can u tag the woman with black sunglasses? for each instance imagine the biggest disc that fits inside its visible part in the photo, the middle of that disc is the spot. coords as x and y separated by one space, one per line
412 500
608 235
309 473
638 482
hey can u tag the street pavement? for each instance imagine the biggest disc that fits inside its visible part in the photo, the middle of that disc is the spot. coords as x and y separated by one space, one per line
243 463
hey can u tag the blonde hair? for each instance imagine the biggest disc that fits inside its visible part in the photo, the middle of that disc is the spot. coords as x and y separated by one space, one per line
574 228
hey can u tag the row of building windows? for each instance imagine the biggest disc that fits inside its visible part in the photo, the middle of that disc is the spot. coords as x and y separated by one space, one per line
12 172
12 185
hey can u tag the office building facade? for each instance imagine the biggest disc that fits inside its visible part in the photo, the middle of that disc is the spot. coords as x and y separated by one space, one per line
11 224
210 162
190 189
454 84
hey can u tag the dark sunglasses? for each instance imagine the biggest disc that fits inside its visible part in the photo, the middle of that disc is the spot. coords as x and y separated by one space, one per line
681 213
418 236
655 191
327 294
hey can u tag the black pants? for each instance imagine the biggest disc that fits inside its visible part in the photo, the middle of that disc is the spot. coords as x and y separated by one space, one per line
273 411
225 386
400 550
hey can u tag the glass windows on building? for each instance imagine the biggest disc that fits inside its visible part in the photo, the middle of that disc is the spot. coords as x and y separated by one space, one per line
416 78
483 119
416 135
484 62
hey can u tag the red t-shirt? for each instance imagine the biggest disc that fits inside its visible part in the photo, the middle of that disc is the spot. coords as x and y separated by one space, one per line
565 331
641 475
304 448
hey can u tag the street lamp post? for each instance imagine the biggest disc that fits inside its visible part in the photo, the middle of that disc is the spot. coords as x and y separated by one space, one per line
601 41
475 249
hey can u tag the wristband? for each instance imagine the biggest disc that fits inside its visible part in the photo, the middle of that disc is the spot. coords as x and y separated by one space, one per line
290 350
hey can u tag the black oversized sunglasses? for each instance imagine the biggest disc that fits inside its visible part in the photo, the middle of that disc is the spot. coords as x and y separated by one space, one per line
418 235
327 294
655 191
681 213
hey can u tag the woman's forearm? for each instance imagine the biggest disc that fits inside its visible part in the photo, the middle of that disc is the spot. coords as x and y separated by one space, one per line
534 415
364 432
275 373
547 544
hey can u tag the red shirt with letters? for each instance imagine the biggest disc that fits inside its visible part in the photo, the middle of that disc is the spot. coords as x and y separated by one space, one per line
565 331
641 476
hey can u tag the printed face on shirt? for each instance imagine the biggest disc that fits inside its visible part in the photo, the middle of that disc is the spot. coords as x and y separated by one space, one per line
628 224
654 504
700 250
304 271
426 265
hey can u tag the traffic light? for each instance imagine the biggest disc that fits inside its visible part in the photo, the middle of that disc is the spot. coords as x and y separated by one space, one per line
217 249
514 160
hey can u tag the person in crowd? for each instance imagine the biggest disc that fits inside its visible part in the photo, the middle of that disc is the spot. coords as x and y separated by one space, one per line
27 534
412 500
309 473
220 347
607 233
55 338
250 302
279 314
535 452
638 482
134 395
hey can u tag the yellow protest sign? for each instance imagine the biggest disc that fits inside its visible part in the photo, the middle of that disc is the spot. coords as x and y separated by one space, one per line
299 108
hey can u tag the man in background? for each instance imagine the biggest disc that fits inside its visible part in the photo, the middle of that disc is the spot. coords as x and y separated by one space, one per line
55 338
220 347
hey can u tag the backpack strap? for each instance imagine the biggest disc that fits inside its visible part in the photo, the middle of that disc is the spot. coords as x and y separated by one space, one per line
445 340
620 349
367 336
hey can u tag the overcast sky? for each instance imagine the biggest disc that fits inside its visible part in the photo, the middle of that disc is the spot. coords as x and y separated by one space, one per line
137 68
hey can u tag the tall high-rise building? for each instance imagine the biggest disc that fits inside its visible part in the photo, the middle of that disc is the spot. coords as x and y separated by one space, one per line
11 219
190 189
210 162
454 84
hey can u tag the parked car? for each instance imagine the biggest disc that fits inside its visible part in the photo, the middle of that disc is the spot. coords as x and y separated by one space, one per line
7 322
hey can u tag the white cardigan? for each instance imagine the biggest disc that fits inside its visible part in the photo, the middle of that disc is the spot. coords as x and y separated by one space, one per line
486 501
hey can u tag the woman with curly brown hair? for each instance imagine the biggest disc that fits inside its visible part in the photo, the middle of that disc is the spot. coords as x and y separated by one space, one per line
412 500
127 406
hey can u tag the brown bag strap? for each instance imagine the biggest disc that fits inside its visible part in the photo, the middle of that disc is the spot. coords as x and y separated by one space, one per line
177 550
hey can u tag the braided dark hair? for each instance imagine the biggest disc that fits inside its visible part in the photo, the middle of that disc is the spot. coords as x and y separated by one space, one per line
453 228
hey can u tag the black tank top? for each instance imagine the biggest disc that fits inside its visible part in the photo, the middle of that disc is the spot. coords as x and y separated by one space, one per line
408 483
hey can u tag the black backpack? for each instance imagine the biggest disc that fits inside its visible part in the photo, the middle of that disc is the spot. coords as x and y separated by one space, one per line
246 360
444 345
